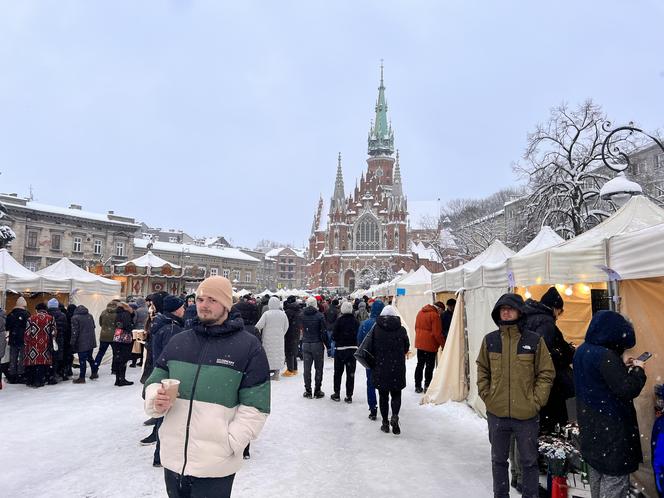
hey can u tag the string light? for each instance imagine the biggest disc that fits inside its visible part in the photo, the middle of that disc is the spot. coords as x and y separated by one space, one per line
528 294
569 291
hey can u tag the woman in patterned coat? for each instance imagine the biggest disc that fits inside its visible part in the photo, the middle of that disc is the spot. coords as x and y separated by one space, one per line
37 349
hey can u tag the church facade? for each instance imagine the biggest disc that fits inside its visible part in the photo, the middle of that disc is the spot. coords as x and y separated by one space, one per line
362 238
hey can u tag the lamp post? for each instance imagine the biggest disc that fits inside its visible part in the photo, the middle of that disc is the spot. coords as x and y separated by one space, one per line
620 189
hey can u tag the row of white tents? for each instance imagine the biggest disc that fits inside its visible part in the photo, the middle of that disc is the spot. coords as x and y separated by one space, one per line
621 258
62 277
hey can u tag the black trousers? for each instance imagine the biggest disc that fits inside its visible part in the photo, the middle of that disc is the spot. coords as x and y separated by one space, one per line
344 359
291 362
426 361
384 401
121 355
313 355
526 433
178 486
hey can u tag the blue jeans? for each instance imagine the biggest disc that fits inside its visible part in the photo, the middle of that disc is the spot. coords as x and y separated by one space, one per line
103 346
371 391
83 357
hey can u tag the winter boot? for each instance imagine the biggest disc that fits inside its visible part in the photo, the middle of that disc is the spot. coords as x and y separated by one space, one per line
394 422
335 397
419 390
120 380
373 413
348 399
385 427
307 394
80 380
151 439
318 394
245 454
94 374
150 421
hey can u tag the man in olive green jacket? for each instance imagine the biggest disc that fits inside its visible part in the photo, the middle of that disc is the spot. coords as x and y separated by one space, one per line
514 377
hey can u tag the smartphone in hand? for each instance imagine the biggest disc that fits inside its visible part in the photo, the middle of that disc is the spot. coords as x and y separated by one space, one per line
644 357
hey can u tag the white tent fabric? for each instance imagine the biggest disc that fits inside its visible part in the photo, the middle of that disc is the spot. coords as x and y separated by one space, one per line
581 259
449 379
149 259
638 254
417 288
17 278
452 280
84 288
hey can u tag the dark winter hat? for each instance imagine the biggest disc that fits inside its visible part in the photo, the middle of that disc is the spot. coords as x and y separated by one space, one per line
172 303
451 302
41 307
552 299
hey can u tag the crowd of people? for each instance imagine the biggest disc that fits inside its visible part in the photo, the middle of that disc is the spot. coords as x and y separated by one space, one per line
526 372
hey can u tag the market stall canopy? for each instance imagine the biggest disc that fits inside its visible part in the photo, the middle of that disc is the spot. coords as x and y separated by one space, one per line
151 260
638 254
584 258
417 283
77 278
17 278
454 279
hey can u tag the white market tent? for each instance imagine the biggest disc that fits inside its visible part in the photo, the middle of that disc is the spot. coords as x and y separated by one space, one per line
16 278
85 288
413 292
149 260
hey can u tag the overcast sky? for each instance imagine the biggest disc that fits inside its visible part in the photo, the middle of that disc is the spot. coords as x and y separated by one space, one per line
227 117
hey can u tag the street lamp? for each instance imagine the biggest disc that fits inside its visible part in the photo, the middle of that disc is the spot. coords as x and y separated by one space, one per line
620 189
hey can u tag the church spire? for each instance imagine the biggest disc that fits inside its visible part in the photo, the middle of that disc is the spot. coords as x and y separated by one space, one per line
339 183
381 136
397 190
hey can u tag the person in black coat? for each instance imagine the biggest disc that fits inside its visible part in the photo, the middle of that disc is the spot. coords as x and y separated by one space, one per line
605 389
83 341
249 313
292 337
314 339
122 351
540 317
389 345
15 325
62 337
344 334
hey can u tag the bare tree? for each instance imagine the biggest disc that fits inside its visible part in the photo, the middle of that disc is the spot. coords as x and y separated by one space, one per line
563 166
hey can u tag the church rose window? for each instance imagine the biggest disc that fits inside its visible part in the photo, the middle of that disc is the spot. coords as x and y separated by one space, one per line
366 234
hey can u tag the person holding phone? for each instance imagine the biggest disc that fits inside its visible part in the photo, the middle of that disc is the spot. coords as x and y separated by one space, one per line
606 385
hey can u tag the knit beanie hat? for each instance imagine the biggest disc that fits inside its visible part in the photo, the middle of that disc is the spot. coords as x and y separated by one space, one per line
53 303
172 303
346 308
388 310
21 302
312 302
219 288
552 299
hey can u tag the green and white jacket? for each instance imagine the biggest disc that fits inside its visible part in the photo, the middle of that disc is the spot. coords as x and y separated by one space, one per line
223 400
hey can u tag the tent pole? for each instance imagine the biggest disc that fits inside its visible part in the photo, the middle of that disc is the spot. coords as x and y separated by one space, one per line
612 284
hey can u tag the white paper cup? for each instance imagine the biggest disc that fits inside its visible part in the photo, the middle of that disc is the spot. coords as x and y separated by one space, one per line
171 386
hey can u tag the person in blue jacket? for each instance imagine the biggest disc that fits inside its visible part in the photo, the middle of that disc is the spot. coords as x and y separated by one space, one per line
362 332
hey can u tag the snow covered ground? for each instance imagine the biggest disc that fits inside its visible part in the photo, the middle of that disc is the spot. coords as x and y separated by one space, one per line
82 441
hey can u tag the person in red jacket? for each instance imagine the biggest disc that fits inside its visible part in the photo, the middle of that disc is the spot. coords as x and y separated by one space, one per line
428 338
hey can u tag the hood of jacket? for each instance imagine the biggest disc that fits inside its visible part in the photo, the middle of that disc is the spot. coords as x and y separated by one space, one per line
430 308
111 306
81 310
233 324
532 307
611 330
513 300
309 311
376 308
388 322
362 305
274 303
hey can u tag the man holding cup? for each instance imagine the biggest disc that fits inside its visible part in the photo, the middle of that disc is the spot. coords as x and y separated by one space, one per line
221 376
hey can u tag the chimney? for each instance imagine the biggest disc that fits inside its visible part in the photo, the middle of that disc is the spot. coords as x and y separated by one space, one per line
75 206
111 211
13 194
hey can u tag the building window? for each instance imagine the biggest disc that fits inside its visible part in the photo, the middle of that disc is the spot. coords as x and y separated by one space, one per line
173 239
214 272
247 277
226 273
119 248
31 265
31 241
660 160
367 235
97 247
56 239
236 275
78 244
290 261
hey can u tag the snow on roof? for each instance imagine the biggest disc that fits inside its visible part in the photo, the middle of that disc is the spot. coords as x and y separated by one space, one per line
76 213
322 223
151 260
66 270
220 252
12 268
424 252
273 253
422 212
545 239
620 185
